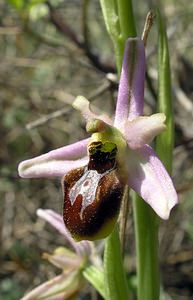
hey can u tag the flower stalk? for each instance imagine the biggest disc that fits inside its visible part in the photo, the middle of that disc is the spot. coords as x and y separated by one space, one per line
165 142
146 239
126 19
146 221
115 277
146 233
114 274
120 24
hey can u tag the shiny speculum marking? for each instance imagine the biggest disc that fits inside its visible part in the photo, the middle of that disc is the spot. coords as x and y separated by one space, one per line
86 187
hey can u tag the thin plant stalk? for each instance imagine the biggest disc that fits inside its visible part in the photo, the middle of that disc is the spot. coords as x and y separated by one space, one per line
165 141
146 222
126 19
114 274
119 30
120 24
126 25
146 232
146 235
123 219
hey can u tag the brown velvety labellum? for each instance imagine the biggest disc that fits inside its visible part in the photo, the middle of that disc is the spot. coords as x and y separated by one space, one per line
92 194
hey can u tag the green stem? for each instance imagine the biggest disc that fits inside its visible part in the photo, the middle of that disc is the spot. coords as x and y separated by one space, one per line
127 27
146 222
147 245
165 141
115 280
119 20
126 19
146 234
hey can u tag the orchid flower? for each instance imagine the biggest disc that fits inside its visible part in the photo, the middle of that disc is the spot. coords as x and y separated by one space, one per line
72 263
97 169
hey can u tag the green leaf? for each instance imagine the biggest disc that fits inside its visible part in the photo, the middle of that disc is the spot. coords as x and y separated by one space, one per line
110 14
164 142
111 18
95 276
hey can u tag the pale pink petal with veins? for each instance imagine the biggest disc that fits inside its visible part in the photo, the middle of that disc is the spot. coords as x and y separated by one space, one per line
56 162
149 178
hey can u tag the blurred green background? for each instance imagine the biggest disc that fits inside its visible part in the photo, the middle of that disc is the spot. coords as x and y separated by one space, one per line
51 52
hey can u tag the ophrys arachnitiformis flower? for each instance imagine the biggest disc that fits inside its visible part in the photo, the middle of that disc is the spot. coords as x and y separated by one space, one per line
95 170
